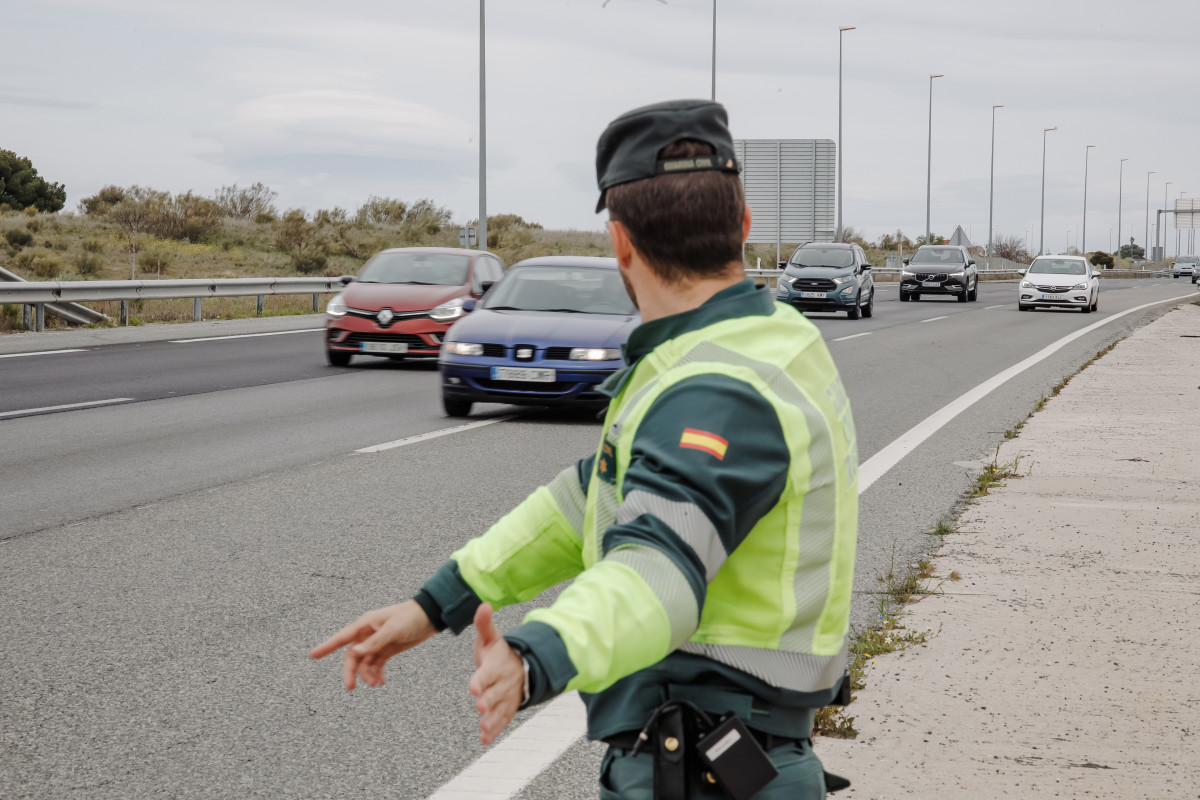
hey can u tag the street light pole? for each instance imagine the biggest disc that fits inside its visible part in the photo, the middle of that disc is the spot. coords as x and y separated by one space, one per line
714 53
1087 151
1146 235
929 157
1163 225
1181 194
482 241
1120 201
841 30
992 184
1042 223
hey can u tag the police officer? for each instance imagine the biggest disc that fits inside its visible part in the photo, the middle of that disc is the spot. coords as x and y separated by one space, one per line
711 535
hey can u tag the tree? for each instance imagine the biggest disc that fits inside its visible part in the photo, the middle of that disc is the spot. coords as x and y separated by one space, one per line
1132 250
1012 248
302 240
897 240
933 239
1101 259
21 187
251 203
849 234
134 215
381 210
186 217
99 203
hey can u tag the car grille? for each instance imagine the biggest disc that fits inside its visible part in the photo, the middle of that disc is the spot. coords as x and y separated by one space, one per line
412 340
558 353
396 315
493 350
1054 289
814 285
525 387
931 276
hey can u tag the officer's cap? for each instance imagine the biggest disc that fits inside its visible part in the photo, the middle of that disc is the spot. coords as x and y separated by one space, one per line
629 148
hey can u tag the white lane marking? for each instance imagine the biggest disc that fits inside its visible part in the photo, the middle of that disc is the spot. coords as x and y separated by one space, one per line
933 319
989 308
874 467
508 767
64 407
41 353
242 336
424 437
852 336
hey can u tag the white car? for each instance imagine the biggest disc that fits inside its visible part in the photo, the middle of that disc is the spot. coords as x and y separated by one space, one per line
1059 282
1186 265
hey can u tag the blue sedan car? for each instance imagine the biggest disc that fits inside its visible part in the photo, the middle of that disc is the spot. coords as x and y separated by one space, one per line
547 334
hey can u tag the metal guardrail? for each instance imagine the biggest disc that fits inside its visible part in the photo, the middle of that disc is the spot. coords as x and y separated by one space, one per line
40 293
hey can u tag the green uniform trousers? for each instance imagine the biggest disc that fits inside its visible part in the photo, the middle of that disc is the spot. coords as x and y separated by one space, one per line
801 777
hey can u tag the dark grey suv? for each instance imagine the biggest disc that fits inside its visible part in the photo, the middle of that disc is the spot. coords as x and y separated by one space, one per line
828 276
939 269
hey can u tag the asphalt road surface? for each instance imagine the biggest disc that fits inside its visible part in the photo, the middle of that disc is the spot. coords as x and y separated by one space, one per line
169 553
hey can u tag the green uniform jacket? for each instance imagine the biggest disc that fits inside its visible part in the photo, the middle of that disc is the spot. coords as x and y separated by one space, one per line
710 537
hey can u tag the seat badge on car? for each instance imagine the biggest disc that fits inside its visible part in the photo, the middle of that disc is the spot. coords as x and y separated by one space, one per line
385 316
525 353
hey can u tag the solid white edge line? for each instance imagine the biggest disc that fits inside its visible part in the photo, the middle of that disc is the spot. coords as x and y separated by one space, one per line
65 407
241 336
852 336
874 467
512 764
424 437
42 353
934 319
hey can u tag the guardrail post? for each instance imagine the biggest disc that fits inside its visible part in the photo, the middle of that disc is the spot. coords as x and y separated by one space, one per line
259 310
124 312
316 303
27 316
41 317
196 309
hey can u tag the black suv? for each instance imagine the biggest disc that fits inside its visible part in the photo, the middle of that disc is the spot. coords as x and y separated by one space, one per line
939 269
828 276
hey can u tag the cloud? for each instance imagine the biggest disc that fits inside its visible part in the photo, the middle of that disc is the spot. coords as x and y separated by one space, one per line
8 98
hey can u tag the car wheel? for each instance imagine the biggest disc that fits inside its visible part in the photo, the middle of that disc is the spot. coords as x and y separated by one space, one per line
855 312
974 295
964 295
456 406
916 295
1023 307
869 308
338 358
904 298
1087 309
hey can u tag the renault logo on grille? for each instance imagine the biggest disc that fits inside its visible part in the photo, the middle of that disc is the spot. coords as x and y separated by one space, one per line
385 316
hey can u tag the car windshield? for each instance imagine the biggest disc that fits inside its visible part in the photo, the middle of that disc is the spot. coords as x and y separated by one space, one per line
440 269
930 255
570 289
1058 266
822 257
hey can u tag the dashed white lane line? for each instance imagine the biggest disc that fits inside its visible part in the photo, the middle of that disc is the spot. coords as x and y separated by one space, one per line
989 308
242 336
424 437
934 319
42 353
65 407
851 336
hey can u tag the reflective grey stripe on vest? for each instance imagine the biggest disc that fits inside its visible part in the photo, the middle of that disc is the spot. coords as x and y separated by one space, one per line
687 520
668 583
799 672
569 497
606 512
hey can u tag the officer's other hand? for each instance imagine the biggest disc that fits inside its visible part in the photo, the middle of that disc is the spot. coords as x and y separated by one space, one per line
499 679
375 637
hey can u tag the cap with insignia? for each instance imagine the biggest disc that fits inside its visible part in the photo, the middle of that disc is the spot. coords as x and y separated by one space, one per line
630 147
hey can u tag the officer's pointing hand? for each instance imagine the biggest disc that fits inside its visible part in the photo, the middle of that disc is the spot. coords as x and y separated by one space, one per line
379 634
499 679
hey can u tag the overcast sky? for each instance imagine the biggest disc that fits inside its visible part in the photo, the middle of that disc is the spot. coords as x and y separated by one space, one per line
329 102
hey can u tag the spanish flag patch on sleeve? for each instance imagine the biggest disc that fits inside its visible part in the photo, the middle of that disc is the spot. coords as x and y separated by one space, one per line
707 442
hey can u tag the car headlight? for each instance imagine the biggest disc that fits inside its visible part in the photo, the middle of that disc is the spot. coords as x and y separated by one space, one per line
788 279
958 274
336 307
1079 286
451 309
595 353
843 279
463 348
1026 285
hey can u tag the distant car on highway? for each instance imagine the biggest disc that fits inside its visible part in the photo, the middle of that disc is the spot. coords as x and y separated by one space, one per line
1059 282
1186 265
828 276
404 300
939 269
548 334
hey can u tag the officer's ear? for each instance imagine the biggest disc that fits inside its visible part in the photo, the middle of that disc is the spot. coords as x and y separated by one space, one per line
745 222
622 244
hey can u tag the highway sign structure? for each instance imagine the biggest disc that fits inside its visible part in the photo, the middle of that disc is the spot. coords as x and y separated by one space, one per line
790 185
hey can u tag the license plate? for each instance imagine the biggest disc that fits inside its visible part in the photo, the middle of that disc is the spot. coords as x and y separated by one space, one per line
383 347
931 284
1054 297
816 295
523 374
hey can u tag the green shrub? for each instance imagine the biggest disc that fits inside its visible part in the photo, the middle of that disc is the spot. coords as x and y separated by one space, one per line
88 264
309 262
44 265
17 237
33 225
99 203
92 246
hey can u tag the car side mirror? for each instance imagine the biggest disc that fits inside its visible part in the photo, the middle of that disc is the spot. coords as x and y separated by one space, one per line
1020 272
906 262
782 265
347 279
866 267
485 285
970 263
468 305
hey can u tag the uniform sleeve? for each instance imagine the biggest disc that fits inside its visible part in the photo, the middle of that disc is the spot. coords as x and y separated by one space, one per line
535 546
708 462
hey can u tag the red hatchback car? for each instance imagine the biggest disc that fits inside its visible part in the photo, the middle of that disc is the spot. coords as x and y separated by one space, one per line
404 300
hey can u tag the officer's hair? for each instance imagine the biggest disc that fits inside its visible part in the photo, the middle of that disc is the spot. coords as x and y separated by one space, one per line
687 225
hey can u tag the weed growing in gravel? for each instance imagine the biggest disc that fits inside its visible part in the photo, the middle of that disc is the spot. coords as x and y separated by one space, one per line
944 528
994 474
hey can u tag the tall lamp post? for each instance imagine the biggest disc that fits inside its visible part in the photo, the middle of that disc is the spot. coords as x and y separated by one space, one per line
1083 233
1163 227
1120 200
714 53
841 30
992 184
482 241
1042 223
929 157
1177 231
1146 236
